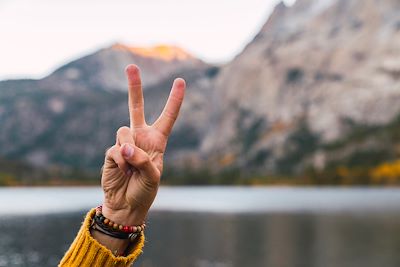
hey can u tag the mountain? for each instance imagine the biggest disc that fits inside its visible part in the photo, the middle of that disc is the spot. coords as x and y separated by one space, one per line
314 94
315 74
69 118
104 70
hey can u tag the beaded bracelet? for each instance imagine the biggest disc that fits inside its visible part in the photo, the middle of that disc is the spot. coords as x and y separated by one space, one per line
113 229
119 235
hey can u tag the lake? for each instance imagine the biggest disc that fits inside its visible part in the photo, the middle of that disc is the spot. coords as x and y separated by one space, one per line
218 226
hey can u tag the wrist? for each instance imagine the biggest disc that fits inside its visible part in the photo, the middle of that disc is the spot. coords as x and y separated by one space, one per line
126 216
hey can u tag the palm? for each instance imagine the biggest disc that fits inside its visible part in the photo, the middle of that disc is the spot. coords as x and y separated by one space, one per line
127 186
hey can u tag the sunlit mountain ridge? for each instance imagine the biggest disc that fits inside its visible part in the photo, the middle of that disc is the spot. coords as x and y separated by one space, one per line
161 51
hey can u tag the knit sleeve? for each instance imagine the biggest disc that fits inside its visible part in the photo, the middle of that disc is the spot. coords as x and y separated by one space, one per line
86 251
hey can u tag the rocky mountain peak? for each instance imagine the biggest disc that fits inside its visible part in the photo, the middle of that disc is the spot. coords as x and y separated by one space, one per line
319 63
286 20
156 63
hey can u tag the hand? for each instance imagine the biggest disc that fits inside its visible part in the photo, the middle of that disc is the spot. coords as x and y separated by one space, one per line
133 166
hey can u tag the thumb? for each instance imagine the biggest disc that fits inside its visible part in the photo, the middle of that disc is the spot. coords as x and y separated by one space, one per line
141 161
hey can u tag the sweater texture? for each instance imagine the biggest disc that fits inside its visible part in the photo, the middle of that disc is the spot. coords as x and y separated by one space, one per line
87 251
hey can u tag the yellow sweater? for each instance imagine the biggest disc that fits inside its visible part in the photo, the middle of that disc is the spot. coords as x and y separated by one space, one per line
86 251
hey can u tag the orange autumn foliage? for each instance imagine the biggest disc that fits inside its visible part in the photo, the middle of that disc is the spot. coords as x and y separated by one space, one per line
386 173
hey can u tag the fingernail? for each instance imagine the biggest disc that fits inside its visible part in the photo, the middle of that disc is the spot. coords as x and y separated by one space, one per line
127 151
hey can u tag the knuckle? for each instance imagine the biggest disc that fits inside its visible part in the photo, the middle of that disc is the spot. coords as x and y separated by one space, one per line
124 130
110 151
110 156
138 106
121 165
170 115
143 161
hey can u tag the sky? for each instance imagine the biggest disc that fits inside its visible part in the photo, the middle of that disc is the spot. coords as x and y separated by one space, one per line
38 36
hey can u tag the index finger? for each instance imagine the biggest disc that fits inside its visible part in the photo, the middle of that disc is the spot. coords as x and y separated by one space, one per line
171 110
136 102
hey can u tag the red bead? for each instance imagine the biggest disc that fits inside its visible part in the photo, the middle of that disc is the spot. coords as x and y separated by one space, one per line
132 229
126 229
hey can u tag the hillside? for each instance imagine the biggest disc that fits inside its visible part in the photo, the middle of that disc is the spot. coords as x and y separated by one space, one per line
316 73
69 118
314 97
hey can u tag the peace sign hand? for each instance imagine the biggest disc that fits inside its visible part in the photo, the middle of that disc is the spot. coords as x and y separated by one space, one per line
133 166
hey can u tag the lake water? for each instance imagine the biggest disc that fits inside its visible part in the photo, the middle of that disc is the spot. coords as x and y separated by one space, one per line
218 226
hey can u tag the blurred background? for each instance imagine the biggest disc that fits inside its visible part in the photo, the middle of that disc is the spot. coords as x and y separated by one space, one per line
295 103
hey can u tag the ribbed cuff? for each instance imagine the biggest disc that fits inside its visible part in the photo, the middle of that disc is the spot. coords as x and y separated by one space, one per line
87 251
